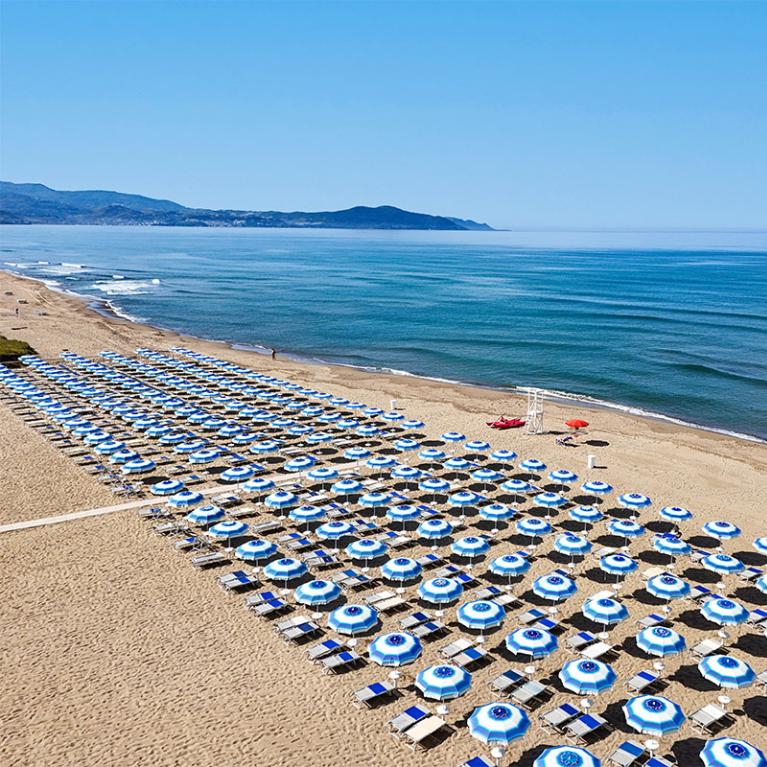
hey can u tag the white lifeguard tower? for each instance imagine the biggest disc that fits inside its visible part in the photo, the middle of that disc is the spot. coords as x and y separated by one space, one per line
534 420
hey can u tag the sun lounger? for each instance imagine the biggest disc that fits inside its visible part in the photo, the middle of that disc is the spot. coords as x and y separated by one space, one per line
271 608
528 693
300 632
530 616
557 719
416 619
478 761
466 580
707 718
651 572
340 662
155 512
596 650
262 528
325 649
506 681
584 726
697 593
239 580
192 543
547 624
653 619
295 620
757 617
707 647
428 561
660 761
580 640
372 694
626 754
407 718
243 511
429 630
751 574
469 657
301 544
391 605
378 596
209 560
349 579
641 682
761 679
170 528
420 732
456 647
448 571
260 598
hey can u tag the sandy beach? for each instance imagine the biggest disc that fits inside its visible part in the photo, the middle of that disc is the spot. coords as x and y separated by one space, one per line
118 652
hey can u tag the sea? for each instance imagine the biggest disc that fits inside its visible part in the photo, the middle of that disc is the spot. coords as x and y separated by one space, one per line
667 324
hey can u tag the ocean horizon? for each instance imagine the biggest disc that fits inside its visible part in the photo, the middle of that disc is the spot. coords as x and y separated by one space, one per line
663 323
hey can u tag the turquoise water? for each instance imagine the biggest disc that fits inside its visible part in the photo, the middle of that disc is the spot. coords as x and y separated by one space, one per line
671 323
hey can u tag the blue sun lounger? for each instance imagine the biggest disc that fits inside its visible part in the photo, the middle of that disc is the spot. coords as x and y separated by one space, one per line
626 754
407 718
477 761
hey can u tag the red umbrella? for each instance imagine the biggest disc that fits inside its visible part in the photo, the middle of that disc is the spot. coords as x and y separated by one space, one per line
577 423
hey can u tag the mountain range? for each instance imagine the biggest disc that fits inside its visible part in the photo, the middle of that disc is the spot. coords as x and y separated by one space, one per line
39 204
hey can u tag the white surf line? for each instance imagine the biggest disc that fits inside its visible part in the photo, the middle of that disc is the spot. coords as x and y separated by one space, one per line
156 501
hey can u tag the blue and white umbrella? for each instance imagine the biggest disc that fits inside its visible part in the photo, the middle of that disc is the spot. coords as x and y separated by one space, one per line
509 565
675 513
605 610
587 677
138 466
498 723
653 715
760 544
462 499
634 501
412 423
457 463
453 436
322 474
596 487
206 515
533 527
381 462
497 512
367 430
190 446
617 564
667 586
317 438
374 500
533 466
109 447
317 593
566 756
554 587
347 487
206 455
406 445
572 545
356 453
285 569
408 473
252 551
405 512
515 486
124 456
434 485
672 545
245 438
366 549
537 643
306 513
730 752
726 671
721 530
660 641
586 514
300 463
725 612
434 529
237 473
549 500
281 499
440 590
722 563
353 619
477 446
486 476
266 446
761 584
562 476
625 528
334 530
443 682
432 454
470 546
401 569
167 487
258 485
503 456
227 530
480 614
185 498
397 648
97 437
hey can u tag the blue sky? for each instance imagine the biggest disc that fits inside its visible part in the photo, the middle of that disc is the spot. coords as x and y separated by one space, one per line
622 114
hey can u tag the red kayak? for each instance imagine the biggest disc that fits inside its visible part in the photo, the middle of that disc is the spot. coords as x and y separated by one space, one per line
506 423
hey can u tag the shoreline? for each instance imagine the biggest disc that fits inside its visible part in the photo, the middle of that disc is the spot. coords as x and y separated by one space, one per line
106 308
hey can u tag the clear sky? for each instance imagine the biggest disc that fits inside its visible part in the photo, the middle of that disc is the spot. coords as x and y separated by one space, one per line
613 114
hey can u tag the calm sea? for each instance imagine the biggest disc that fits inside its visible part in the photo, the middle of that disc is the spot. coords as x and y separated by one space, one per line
669 323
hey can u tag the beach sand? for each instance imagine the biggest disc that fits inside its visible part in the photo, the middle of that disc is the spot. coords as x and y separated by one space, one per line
116 651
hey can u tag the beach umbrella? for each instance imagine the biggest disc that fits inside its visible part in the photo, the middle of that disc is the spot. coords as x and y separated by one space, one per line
434 529
109 447
347 487
726 671
533 527
97 437
300 463
477 446
285 569
281 499
660 641
228 530
237 474
587 677
761 584
634 501
667 586
554 587
366 549
470 546
245 438
394 649
318 437
206 455
306 513
462 499
566 756
432 454
367 430
725 612
412 423
617 564
185 498
372 411
174 438
625 528
434 485
190 446
503 456
498 723
675 513
253 550
509 565
353 619
457 463
443 682
329 417
258 485
605 610
356 453
731 752
265 446
572 544
405 445
586 514
334 530
549 500
497 512
229 430
166 487
322 474
515 486
537 643
138 466
576 423
533 466
205 515
124 456
405 512
760 544
317 593
653 715
562 476
722 563
440 590
453 436
401 569
299 430
670 544
596 487
409 473
381 462
374 500
486 476
392 416
721 530
480 614
347 423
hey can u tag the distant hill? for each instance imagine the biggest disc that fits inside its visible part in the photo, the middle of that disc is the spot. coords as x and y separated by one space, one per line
39 204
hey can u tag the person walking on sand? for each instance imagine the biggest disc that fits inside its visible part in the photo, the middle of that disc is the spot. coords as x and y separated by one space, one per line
274 354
